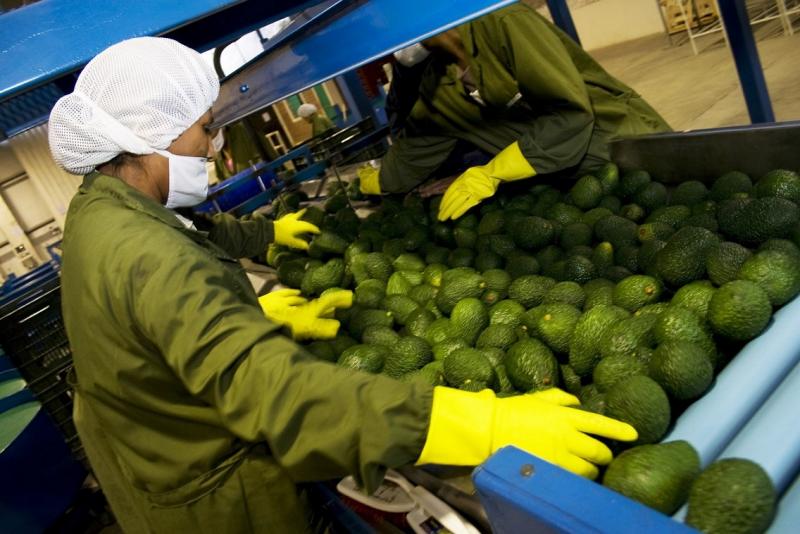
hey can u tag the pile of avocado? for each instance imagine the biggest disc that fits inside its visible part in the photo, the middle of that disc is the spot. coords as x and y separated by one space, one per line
628 293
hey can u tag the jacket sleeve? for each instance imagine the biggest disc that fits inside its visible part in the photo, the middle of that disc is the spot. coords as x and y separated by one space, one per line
551 84
320 421
241 238
411 160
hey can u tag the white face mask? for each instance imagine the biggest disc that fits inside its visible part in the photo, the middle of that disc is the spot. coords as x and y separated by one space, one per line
188 180
218 141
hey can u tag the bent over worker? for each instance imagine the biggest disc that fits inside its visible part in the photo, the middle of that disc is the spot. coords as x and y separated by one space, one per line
513 86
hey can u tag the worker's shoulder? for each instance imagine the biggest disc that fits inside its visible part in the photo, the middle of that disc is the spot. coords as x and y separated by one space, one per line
515 14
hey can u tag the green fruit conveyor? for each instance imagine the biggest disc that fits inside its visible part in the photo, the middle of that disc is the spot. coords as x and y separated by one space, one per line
750 411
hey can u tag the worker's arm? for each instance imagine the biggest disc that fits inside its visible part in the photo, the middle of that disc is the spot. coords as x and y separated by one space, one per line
551 84
241 238
411 160
320 421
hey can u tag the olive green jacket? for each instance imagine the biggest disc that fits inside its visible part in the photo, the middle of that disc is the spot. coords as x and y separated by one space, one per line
320 124
196 413
539 88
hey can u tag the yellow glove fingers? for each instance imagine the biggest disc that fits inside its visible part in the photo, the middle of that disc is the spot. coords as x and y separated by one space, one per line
600 425
579 466
337 299
465 206
589 449
304 227
448 200
287 292
317 329
294 301
296 243
557 396
296 215
449 208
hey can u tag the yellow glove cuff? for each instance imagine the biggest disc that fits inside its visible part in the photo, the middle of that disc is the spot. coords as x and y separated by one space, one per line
510 165
460 431
370 180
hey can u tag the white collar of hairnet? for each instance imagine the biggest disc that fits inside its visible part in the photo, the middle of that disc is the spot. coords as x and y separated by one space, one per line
136 96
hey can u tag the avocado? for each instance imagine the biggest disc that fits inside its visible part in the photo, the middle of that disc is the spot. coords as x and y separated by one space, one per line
556 323
603 256
779 183
683 258
408 262
567 292
432 274
465 237
776 272
323 350
439 330
671 215
532 232
530 290
520 263
531 366
491 223
408 354
592 400
632 182
468 369
591 217
754 221
380 335
497 283
627 256
616 230
614 368
682 369
579 269
695 296
730 185
506 312
398 285
627 336
633 212
500 336
457 288
689 193
291 273
564 214
655 230
676 323
570 381
724 261
549 255
703 220
445 348
418 321
587 192
782 245
608 175
468 319
591 327
438 255
658 476
575 234
431 373
422 294
598 291
739 310
651 196
732 496
611 203
326 276
487 260
461 257
642 403
501 244
369 358
636 291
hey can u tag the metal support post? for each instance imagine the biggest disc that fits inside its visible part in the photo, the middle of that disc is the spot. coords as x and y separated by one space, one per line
360 101
562 17
745 55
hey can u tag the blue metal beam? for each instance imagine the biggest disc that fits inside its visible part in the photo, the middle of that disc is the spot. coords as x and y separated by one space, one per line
52 38
562 17
748 65
339 39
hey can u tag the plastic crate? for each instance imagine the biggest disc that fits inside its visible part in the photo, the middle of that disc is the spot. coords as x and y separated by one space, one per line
33 337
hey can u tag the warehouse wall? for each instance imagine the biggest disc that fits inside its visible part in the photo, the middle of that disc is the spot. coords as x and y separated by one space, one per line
609 22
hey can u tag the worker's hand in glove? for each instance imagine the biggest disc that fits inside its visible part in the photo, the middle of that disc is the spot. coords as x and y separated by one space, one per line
289 228
307 319
369 180
479 183
465 428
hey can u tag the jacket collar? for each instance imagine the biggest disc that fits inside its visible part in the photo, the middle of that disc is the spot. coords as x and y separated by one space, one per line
115 188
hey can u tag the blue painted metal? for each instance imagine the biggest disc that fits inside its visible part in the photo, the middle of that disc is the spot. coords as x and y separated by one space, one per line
522 493
772 436
52 38
714 420
361 103
788 516
559 10
748 64
349 35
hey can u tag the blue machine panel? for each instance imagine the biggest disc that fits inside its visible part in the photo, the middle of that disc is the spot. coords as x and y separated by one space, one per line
522 493
342 37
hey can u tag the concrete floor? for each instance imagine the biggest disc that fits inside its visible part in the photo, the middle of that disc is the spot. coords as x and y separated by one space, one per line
703 91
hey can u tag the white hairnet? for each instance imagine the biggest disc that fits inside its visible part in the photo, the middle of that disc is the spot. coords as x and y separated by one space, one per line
136 96
411 55
306 110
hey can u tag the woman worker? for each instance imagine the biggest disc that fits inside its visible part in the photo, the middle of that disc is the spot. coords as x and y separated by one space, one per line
196 413
514 86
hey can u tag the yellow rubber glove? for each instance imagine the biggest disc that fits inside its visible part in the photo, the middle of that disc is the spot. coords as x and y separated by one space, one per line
370 183
306 319
467 427
479 183
289 227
